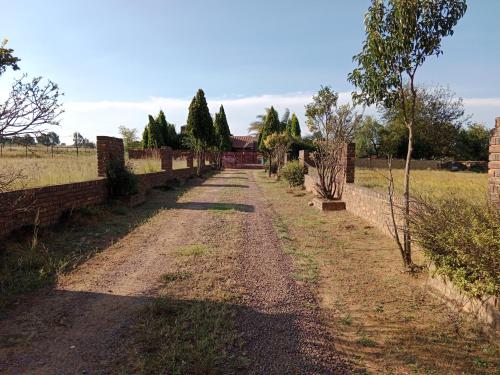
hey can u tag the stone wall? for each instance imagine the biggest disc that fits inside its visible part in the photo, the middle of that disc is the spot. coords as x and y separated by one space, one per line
44 206
494 165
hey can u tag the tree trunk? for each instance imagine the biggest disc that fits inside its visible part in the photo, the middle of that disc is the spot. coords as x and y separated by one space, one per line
406 201
270 163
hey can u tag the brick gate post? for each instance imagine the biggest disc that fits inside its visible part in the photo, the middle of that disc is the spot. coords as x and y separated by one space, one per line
166 156
350 162
494 165
109 149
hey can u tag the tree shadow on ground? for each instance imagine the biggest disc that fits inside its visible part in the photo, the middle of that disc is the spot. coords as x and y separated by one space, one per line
226 185
230 177
30 260
214 206
156 335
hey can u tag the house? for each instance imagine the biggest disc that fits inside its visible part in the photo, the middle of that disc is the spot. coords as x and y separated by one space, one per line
243 143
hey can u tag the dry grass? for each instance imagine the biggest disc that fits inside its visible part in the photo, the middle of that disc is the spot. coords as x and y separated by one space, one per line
437 183
190 329
384 320
40 169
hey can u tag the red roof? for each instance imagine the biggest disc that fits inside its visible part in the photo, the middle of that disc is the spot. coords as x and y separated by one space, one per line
244 141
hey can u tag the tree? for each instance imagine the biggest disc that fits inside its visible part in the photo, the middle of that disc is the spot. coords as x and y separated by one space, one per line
145 137
293 126
270 126
473 143
199 127
53 138
400 35
333 126
255 127
7 59
222 135
169 135
439 116
285 119
129 136
78 140
277 145
369 137
155 137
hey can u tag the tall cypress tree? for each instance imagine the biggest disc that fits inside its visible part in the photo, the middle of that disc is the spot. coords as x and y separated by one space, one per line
200 126
222 132
271 125
293 126
167 130
155 139
145 138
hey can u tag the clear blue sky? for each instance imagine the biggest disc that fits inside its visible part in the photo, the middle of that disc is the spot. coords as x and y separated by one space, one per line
117 60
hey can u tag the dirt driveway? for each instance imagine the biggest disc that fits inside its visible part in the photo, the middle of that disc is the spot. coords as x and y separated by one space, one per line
81 326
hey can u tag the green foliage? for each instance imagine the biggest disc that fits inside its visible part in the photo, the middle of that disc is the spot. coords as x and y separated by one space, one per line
400 35
169 135
222 133
271 168
473 143
368 137
293 173
155 136
298 143
7 59
293 126
121 181
145 138
199 123
129 136
462 238
270 126
439 116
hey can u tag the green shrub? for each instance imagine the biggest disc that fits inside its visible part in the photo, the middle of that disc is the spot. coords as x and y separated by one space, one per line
274 167
294 173
462 238
121 181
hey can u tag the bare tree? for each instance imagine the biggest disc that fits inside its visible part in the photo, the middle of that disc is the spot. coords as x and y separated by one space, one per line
28 107
333 126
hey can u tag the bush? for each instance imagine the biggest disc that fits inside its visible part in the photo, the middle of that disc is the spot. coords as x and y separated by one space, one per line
121 181
294 173
462 238
274 167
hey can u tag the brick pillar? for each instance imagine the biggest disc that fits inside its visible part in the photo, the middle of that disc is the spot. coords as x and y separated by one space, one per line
494 165
109 149
166 156
350 162
189 159
303 157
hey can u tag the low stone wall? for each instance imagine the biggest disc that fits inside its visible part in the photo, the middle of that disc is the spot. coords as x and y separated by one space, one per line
44 206
373 206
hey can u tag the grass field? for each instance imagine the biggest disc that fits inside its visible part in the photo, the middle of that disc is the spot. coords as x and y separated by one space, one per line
41 169
386 321
437 183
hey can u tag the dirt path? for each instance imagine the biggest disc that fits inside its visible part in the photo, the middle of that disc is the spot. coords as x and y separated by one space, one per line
79 327
291 339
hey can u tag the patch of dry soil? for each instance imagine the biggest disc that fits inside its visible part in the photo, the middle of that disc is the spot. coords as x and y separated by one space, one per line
79 326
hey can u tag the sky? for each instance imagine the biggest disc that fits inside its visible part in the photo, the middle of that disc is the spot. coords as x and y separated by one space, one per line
119 60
